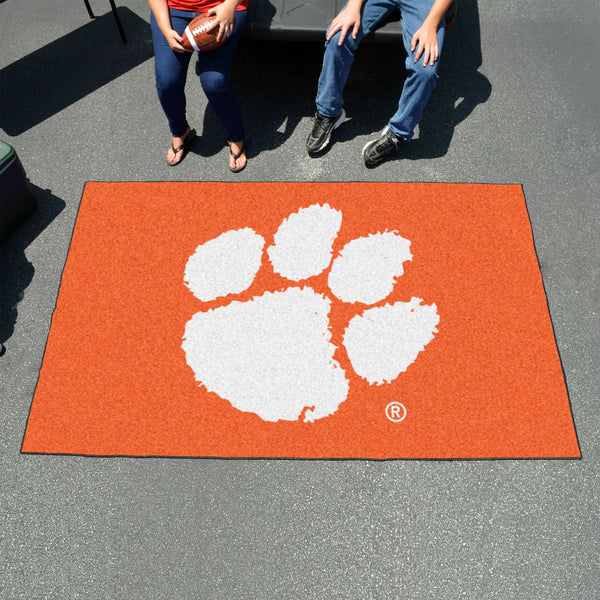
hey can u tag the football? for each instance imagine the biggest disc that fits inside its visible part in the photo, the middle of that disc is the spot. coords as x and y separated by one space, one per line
201 34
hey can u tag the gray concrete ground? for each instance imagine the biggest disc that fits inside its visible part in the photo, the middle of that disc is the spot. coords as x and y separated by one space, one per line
517 103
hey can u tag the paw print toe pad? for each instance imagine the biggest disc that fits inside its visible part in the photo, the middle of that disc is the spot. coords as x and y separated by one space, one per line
304 242
384 341
368 267
224 265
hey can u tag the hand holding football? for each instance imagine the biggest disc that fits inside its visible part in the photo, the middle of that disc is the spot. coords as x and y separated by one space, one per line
201 34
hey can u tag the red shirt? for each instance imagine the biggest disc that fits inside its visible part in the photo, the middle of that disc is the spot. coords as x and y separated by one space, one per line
200 5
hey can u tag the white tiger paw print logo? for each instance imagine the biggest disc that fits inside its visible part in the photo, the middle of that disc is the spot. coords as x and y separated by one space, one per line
272 355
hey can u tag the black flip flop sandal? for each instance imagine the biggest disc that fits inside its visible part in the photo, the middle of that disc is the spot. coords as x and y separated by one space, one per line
236 156
187 142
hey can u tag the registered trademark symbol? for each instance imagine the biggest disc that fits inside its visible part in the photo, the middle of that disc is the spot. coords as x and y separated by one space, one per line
395 412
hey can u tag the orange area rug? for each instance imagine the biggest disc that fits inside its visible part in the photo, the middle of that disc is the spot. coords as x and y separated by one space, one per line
136 364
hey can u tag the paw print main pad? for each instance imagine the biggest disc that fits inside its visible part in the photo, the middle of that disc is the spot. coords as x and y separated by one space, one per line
273 355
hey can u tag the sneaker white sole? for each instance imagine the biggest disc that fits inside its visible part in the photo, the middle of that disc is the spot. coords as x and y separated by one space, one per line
381 134
339 121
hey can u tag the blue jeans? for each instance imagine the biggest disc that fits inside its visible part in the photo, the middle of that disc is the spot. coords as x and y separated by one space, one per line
213 67
419 83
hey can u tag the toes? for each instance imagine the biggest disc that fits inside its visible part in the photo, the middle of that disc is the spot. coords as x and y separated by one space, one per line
237 150
240 162
174 157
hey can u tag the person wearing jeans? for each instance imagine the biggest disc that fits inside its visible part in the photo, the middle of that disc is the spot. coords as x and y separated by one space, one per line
423 27
168 21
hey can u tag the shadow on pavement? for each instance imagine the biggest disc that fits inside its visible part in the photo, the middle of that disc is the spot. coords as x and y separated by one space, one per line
275 83
59 74
16 272
460 89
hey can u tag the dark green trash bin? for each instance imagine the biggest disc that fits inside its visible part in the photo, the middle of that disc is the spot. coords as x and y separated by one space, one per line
17 201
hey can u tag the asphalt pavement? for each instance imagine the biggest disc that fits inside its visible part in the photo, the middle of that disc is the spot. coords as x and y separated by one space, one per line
517 102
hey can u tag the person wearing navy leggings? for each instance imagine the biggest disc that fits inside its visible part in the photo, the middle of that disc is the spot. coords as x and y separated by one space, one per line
168 21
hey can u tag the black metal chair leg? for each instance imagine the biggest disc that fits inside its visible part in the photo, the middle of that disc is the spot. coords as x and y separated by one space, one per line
89 9
117 19
115 13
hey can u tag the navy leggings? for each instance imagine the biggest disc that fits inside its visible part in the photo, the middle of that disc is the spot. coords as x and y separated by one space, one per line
171 71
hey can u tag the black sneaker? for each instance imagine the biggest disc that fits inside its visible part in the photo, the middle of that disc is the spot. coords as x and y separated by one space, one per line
321 132
387 143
